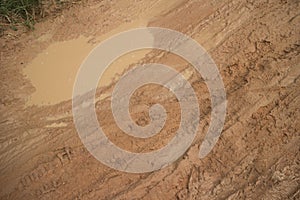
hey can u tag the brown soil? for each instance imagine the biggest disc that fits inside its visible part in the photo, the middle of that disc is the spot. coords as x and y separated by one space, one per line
256 46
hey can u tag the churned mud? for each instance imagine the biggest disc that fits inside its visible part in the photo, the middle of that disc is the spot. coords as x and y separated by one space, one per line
256 46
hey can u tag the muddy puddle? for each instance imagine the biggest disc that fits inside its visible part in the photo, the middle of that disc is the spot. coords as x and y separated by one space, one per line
54 70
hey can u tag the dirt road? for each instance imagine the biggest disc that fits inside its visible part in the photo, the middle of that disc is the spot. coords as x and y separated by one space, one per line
256 46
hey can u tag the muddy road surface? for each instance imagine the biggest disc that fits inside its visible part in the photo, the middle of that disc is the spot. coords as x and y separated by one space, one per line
256 47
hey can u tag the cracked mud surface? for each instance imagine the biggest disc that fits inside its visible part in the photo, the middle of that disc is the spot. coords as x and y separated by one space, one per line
256 46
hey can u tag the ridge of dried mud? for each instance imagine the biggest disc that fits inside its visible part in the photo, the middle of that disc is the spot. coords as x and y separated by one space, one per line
256 46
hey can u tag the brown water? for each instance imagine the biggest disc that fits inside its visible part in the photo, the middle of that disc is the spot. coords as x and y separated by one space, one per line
53 71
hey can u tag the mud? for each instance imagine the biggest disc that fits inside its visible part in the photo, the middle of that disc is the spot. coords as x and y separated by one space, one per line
255 45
